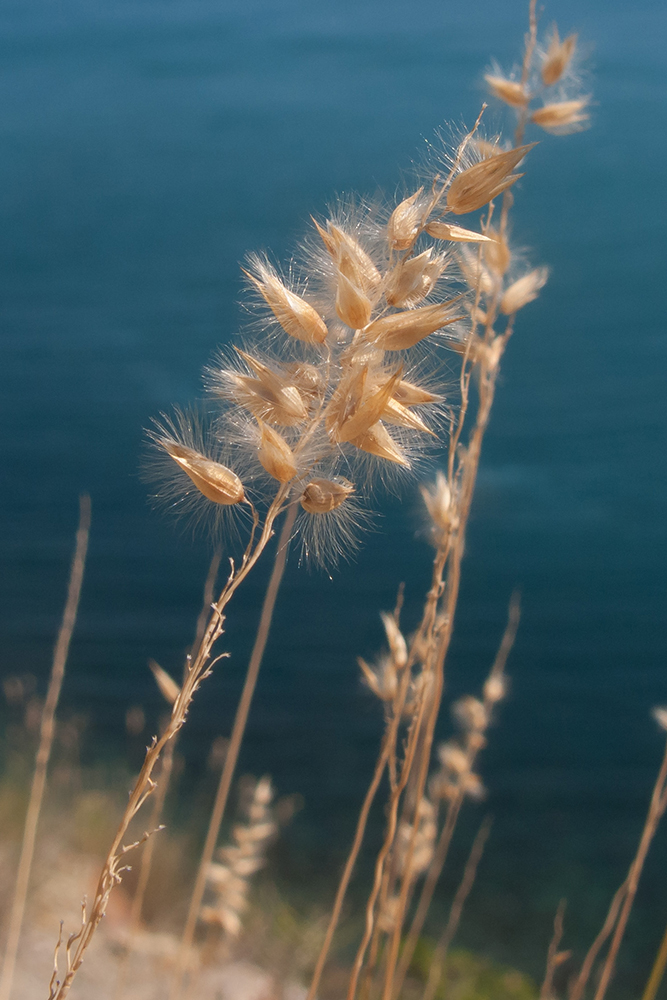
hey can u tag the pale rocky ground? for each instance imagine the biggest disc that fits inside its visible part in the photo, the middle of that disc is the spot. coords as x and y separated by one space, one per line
61 878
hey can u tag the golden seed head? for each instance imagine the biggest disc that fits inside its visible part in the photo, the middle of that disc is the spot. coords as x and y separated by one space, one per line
352 305
413 395
476 186
399 415
523 291
296 316
403 226
557 58
351 258
402 330
358 404
270 396
275 455
381 679
562 117
411 280
456 234
214 480
507 90
473 786
324 495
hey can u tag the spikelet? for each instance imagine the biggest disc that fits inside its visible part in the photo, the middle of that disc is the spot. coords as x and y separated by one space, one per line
470 713
275 455
214 480
557 58
403 330
169 689
562 117
378 441
400 416
412 866
523 291
351 258
269 395
397 644
438 503
453 758
494 689
404 223
456 234
352 305
476 186
509 91
321 496
361 406
475 273
296 316
497 255
381 678
411 280
228 882
413 395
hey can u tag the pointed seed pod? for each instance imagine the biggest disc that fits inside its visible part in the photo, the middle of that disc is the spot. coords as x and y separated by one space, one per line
509 91
367 410
494 689
270 395
275 455
524 290
562 116
438 502
413 395
474 272
214 480
557 58
405 329
352 305
413 279
324 495
296 316
396 640
476 186
169 689
378 441
403 225
457 234
398 414
497 255
365 273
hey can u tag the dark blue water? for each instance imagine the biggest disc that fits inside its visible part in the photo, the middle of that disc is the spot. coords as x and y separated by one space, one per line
145 148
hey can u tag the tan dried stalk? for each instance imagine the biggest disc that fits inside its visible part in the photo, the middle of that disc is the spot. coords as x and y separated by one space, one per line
440 855
231 757
161 795
462 893
46 735
198 668
655 812
554 956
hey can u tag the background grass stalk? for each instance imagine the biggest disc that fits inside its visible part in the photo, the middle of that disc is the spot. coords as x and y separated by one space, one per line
47 732
231 757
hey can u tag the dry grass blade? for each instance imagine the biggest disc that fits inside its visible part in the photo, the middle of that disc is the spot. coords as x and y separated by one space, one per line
47 730
554 956
469 875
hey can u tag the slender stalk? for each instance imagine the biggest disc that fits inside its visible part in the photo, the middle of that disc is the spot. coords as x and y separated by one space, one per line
231 758
199 667
47 732
469 874
657 971
546 992
656 809
440 854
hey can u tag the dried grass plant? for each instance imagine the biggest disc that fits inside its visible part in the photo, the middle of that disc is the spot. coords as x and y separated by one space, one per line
338 390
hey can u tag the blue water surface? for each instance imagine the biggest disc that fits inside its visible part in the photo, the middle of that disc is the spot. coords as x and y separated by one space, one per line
145 148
